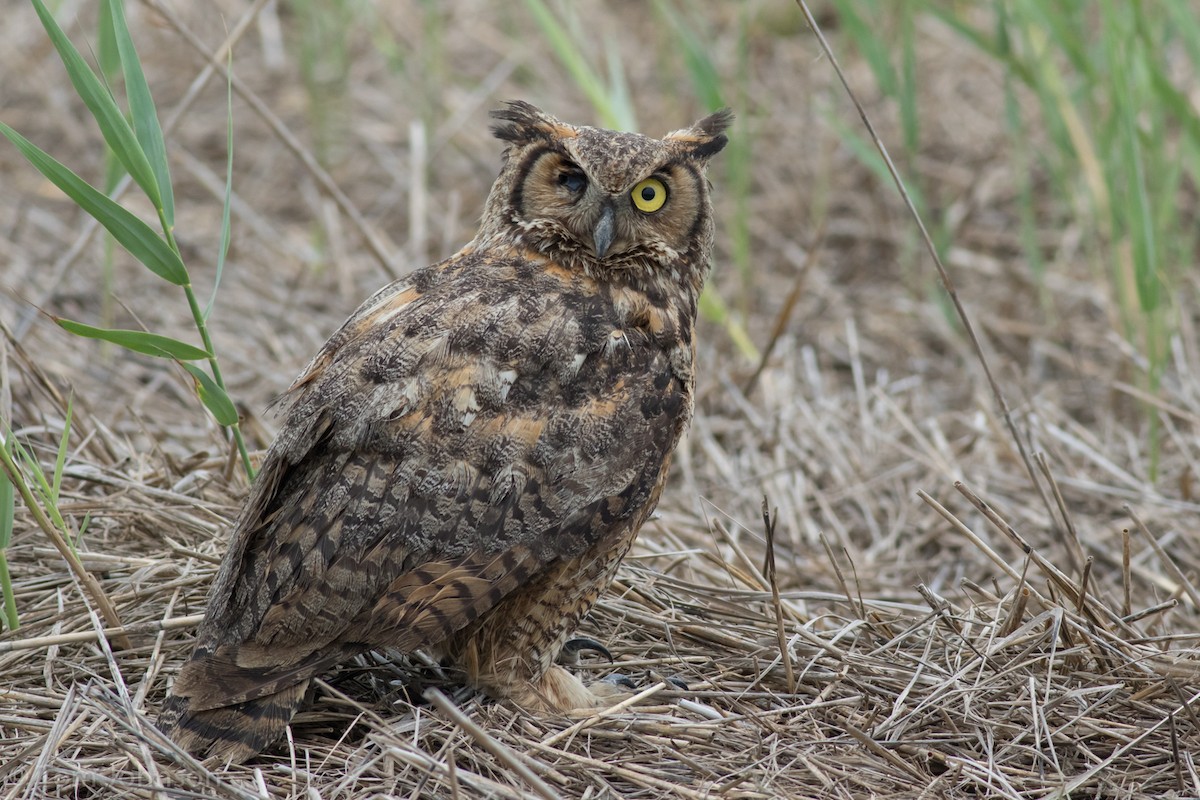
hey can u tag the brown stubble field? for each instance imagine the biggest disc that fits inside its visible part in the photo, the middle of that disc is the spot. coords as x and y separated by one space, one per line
899 640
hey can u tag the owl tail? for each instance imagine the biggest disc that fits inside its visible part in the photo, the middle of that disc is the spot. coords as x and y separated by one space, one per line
231 733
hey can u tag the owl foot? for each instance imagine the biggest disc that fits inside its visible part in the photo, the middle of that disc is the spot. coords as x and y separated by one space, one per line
621 679
560 692
610 690
617 686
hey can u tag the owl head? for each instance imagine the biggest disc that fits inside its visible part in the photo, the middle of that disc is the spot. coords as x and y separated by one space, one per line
614 205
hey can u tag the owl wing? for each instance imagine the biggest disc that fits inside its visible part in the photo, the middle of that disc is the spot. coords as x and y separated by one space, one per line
445 446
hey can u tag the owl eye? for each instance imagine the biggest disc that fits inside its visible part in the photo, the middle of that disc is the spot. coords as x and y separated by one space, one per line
572 180
649 195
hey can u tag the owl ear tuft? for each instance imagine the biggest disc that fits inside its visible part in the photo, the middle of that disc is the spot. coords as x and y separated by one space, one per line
705 138
524 122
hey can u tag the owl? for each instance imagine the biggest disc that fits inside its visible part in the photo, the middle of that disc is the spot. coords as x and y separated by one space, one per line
466 461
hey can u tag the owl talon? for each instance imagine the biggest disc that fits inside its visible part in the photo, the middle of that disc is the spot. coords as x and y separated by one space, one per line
677 682
621 680
576 647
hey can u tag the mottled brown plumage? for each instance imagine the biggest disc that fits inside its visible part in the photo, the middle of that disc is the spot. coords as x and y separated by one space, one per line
466 461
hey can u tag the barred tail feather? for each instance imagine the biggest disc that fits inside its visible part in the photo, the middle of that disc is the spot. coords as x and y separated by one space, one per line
232 733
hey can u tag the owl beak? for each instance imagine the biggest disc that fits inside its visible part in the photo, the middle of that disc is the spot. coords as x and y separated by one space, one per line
606 228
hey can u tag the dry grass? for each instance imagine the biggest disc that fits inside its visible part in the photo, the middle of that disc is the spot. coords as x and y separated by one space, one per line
904 634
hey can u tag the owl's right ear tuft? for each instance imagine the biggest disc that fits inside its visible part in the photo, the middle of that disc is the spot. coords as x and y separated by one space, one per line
523 123
707 137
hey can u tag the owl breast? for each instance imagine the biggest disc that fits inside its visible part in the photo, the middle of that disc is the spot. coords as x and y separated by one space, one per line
543 385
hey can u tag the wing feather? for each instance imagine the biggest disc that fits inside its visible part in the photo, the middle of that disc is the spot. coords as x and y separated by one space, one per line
421 477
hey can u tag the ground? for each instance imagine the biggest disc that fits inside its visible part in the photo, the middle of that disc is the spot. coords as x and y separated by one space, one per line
939 612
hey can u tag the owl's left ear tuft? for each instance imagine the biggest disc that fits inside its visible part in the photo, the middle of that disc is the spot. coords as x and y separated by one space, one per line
523 123
705 138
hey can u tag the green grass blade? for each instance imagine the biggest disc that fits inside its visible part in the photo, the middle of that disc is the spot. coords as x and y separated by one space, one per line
60 458
869 43
10 599
1063 22
215 398
7 503
33 469
141 107
620 102
134 235
906 91
1141 221
998 47
83 526
107 57
1177 102
7 498
573 59
113 125
109 61
703 72
151 344
714 308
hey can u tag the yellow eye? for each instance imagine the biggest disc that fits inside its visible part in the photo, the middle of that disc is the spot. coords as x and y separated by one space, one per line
649 195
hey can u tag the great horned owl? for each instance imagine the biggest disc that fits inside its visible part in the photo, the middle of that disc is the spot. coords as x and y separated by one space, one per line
467 460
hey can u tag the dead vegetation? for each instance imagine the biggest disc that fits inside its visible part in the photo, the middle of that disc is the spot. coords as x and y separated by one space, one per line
922 621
